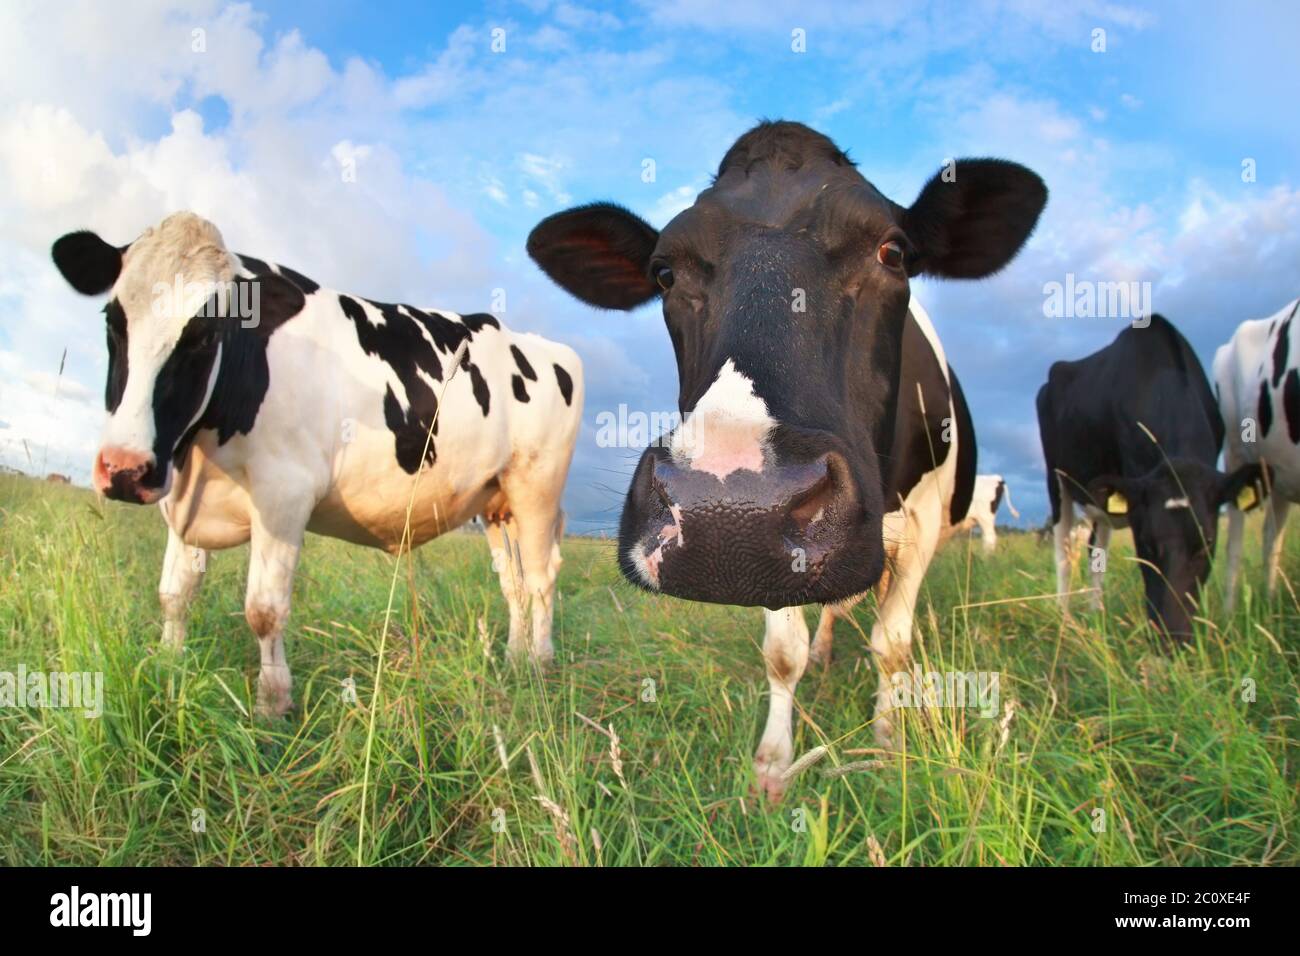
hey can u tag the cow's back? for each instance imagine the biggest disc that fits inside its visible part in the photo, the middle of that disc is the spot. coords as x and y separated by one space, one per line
1258 390
339 429
1095 413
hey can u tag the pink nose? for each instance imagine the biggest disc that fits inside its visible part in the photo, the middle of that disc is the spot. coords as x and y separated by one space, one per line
119 473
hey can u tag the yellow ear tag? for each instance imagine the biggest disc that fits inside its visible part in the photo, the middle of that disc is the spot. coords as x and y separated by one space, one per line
1116 504
1247 498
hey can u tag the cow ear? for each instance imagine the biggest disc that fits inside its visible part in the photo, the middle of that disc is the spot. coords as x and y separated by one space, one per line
1111 493
598 253
90 264
265 302
1246 488
972 218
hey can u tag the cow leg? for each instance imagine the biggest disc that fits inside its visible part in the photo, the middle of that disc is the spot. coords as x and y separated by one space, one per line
540 525
507 559
1236 525
1274 531
891 637
182 573
272 559
785 654
1100 540
1064 548
820 653
988 533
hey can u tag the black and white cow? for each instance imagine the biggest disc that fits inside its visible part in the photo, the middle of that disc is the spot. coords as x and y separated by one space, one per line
990 490
1132 433
1258 384
253 405
824 439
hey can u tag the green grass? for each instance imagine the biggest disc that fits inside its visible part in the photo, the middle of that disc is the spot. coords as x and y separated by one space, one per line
1186 771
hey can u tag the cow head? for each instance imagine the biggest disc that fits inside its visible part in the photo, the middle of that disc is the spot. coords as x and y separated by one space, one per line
180 320
1173 512
785 291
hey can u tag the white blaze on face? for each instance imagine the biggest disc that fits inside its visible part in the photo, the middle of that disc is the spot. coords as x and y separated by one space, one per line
727 430
168 276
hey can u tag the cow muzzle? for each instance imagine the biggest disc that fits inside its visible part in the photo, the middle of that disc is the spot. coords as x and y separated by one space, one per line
794 533
124 474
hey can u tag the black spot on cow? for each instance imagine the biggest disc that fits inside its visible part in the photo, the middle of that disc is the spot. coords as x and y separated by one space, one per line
115 320
244 375
476 322
997 497
482 394
300 280
964 481
517 383
524 368
1281 350
918 445
1265 411
399 342
1291 405
565 381
256 266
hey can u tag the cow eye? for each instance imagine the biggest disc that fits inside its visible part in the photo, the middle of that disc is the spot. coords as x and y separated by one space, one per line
890 254
664 276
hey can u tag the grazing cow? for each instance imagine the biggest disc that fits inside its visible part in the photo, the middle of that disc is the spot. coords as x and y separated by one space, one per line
254 405
824 442
1258 384
1132 433
988 495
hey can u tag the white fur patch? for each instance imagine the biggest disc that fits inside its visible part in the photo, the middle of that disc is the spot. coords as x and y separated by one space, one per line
727 430
647 565
1173 504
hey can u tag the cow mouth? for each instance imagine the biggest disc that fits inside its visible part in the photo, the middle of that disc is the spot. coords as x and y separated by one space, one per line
137 486
798 534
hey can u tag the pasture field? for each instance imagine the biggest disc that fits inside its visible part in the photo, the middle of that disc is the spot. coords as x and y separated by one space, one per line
449 756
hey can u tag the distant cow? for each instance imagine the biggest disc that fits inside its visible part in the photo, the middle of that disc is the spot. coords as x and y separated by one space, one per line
983 513
1258 384
1132 432
55 478
253 405
823 437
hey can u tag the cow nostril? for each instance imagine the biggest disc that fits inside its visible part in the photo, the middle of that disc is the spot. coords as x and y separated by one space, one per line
661 490
809 506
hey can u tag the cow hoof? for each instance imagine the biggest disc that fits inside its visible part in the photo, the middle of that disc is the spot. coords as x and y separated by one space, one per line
525 657
274 692
886 734
173 638
769 780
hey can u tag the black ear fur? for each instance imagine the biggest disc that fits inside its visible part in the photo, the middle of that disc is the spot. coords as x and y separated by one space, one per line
1255 476
1102 489
974 223
598 253
90 264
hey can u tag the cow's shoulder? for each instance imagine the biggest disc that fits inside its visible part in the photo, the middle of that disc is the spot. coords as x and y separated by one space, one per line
963 491
923 415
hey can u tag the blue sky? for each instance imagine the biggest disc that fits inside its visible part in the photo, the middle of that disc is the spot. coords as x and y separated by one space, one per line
112 120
